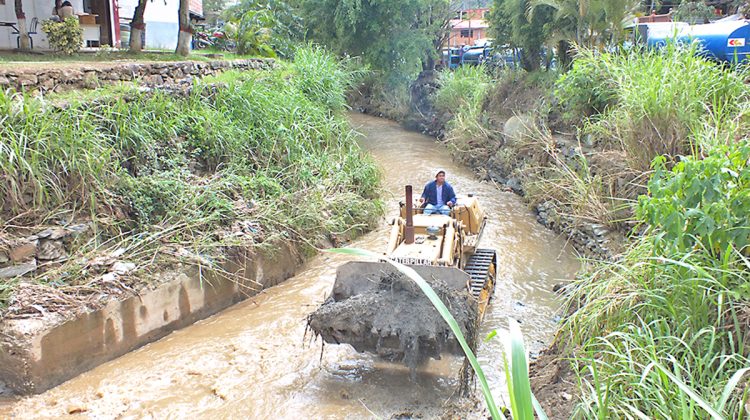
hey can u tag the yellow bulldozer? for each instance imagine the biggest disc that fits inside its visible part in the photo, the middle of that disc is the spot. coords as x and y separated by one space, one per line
376 309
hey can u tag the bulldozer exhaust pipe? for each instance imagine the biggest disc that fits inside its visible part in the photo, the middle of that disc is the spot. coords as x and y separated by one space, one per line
409 228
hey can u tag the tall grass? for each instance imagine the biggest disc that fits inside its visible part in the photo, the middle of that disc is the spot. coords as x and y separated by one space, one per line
268 147
680 312
461 94
657 102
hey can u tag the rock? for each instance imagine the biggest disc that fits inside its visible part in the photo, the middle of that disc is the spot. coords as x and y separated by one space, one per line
117 253
51 250
601 232
109 278
4 81
46 82
121 267
23 252
54 234
72 75
27 79
514 184
559 287
76 409
153 79
565 396
518 127
17 270
4 257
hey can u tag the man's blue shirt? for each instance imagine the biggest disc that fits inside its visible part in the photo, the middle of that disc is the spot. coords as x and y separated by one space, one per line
431 197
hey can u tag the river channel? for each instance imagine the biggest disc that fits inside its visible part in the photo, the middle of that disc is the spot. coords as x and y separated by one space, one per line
253 361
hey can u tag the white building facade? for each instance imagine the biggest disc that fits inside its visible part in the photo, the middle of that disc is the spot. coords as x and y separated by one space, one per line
104 22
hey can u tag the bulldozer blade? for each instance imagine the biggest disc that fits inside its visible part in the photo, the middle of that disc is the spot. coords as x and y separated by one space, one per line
358 277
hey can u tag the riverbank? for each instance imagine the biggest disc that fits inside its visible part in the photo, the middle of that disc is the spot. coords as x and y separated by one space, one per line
110 189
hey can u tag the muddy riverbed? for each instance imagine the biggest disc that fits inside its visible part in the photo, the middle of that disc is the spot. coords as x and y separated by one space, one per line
253 361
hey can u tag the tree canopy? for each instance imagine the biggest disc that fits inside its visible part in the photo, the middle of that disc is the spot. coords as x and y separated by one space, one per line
397 37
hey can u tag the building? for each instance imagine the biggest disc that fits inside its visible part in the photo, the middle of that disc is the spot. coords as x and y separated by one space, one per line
161 19
469 24
104 22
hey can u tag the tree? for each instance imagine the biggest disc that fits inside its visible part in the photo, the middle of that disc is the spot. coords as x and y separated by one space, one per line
186 31
137 25
593 22
744 9
397 37
511 21
693 12
212 10
24 41
264 27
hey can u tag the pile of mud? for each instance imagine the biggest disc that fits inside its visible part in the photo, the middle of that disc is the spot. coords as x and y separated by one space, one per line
388 315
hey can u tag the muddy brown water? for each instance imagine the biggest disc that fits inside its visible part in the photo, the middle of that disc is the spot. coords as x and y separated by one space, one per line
251 360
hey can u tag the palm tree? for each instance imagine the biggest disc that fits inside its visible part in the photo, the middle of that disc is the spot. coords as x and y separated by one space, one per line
589 23
24 41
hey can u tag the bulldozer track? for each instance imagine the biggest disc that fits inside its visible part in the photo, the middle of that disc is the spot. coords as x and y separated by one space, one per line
478 268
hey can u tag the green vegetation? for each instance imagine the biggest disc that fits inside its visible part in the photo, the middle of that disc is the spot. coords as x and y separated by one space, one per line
265 28
65 36
398 38
462 94
267 148
665 328
662 331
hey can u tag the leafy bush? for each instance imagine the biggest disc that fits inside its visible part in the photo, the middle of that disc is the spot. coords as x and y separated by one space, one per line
702 201
65 36
588 88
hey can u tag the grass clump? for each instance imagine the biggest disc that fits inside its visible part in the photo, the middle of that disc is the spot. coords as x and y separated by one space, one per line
461 94
263 149
657 102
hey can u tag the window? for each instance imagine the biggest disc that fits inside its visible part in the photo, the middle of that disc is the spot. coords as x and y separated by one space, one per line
485 14
467 33
460 15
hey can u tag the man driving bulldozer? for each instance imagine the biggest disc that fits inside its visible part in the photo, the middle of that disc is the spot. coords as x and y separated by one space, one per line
438 195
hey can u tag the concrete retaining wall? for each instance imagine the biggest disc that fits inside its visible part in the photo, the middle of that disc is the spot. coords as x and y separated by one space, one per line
39 353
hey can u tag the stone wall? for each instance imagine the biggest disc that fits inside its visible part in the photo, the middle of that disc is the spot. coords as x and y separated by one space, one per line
82 76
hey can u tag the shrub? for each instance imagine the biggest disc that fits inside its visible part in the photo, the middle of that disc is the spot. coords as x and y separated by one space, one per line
65 36
702 202
588 88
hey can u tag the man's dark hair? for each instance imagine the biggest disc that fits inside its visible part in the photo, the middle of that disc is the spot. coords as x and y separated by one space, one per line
66 3
440 172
